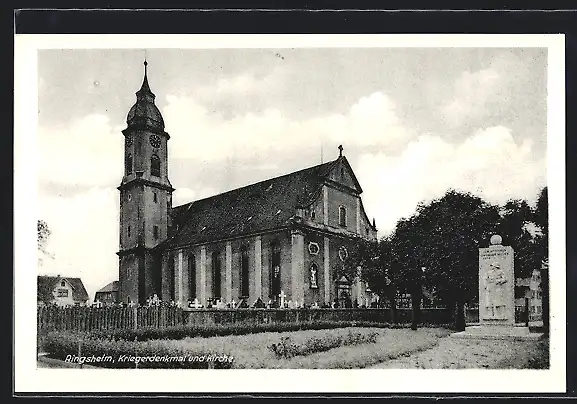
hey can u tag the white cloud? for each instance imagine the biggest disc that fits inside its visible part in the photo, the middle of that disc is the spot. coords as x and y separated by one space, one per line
203 136
185 195
243 84
489 163
88 152
477 94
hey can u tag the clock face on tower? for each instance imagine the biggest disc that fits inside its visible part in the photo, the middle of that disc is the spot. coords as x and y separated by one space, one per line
155 141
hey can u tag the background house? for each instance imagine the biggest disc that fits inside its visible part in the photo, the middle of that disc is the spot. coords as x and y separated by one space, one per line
530 288
108 294
62 291
535 297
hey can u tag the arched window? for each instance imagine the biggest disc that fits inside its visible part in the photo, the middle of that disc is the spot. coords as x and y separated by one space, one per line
191 276
244 282
216 275
275 270
342 216
128 162
155 166
172 275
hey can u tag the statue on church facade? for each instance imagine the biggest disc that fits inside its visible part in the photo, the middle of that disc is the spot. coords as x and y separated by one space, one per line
313 278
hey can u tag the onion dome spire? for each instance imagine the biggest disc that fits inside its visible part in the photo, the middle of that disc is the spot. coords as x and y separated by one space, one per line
145 91
144 111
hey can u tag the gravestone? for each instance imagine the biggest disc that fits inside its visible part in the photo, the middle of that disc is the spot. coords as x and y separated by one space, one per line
496 284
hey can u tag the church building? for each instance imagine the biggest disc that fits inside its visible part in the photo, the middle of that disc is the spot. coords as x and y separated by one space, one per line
285 235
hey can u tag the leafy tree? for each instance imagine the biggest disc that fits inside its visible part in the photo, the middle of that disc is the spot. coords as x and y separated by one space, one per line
377 267
43 234
515 216
359 255
531 250
385 275
444 237
360 261
541 218
541 212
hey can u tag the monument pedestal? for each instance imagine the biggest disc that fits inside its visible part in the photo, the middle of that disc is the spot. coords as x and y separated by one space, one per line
498 332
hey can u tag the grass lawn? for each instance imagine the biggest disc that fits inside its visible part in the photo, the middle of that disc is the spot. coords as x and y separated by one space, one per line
336 348
252 351
453 353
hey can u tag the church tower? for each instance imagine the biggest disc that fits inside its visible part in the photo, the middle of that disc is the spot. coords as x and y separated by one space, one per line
145 198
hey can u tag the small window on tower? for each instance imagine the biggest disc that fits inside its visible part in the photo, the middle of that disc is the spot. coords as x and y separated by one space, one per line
155 231
155 197
342 216
129 231
128 164
155 166
313 214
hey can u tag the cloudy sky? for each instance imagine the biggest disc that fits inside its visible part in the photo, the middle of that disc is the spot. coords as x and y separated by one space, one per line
413 122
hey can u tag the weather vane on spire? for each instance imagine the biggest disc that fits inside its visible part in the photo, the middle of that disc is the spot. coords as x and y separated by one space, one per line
145 62
340 150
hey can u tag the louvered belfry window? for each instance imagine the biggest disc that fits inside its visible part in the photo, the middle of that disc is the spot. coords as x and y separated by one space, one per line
155 166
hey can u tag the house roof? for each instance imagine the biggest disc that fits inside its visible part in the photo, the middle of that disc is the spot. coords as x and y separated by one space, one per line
46 285
111 287
259 207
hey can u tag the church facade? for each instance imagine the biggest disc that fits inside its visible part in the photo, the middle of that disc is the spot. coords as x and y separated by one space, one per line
282 236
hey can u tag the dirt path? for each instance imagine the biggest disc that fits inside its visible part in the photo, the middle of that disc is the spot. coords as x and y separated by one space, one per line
453 353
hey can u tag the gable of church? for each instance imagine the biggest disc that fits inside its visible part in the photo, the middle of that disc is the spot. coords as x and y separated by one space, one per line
342 174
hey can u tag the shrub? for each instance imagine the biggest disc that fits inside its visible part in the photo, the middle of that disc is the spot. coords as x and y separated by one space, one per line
389 345
123 354
287 348
541 359
218 330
